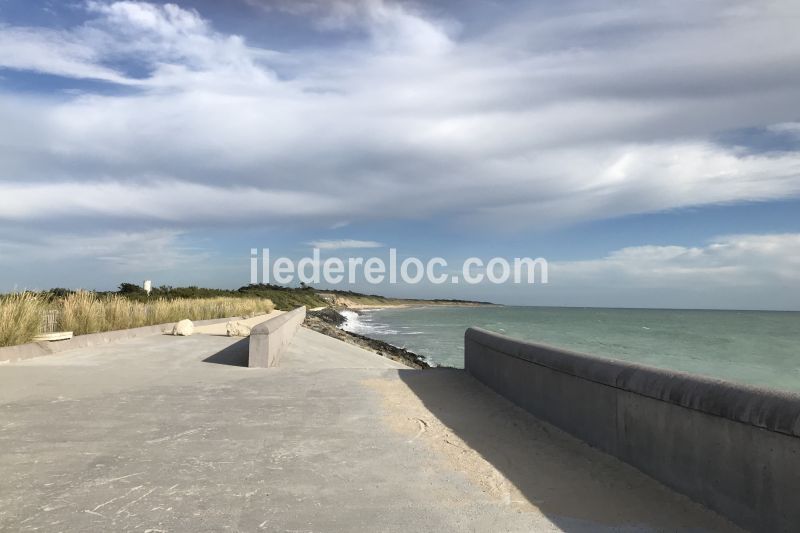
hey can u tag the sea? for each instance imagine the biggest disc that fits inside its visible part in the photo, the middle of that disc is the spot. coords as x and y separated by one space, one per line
759 348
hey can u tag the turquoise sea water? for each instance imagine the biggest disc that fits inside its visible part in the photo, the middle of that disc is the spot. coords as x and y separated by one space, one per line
754 347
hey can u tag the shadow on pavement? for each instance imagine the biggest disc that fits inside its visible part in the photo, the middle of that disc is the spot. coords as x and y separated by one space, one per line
578 488
234 355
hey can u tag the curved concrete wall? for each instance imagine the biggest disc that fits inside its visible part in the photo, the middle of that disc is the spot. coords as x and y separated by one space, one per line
270 339
731 447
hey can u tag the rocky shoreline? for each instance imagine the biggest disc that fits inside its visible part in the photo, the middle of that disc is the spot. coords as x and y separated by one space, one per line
327 322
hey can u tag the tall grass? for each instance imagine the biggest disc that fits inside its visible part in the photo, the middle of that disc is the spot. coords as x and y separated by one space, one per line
82 313
20 317
86 312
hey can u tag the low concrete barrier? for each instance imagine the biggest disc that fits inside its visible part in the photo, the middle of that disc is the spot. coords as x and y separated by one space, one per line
38 349
270 339
733 448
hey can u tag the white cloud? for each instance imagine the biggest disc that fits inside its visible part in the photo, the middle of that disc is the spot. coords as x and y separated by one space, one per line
734 262
120 251
160 200
392 26
344 244
52 52
547 118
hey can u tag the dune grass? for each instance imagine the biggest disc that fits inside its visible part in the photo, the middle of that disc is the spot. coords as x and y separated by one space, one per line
86 312
20 317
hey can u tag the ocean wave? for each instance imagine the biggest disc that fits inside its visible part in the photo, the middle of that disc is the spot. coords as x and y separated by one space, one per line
365 324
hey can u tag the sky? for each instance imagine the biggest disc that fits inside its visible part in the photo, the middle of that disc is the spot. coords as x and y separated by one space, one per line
650 152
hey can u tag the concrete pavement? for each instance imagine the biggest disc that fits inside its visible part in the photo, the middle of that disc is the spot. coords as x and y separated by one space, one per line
169 434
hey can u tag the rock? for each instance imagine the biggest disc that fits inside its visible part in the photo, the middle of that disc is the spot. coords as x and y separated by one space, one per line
328 315
237 329
385 349
183 328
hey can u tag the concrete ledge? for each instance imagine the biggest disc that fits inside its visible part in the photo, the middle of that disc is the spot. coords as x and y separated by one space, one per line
270 339
731 447
39 349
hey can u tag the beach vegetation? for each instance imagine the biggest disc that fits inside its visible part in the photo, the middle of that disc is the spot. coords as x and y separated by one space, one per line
22 315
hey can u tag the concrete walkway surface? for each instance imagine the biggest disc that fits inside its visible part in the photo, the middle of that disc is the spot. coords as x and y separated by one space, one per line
169 434
221 327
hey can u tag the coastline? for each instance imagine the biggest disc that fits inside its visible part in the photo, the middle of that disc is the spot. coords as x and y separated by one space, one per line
412 305
327 322
356 302
745 347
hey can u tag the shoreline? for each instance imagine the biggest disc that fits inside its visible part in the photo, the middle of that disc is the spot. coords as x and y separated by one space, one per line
327 322
414 305
356 302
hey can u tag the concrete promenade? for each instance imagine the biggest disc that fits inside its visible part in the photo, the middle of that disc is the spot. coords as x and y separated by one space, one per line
169 433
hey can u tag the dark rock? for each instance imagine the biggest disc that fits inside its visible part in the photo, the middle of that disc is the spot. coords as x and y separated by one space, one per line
401 355
328 315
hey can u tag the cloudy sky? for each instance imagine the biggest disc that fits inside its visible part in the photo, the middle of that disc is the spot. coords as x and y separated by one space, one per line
649 151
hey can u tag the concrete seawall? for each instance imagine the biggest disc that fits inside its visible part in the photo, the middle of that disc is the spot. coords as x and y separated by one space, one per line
270 339
731 447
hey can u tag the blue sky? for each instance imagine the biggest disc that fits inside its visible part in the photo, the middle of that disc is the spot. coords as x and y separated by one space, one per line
651 153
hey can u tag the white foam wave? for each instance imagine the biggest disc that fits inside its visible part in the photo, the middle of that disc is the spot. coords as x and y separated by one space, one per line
364 324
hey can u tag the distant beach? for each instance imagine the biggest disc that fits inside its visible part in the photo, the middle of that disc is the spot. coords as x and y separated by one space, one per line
355 301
